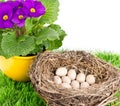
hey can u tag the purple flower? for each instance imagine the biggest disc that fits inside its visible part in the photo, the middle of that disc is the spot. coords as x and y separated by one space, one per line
12 3
35 8
15 0
16 4
6 15
19 17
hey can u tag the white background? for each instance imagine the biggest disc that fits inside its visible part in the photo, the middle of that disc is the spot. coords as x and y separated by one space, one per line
91 24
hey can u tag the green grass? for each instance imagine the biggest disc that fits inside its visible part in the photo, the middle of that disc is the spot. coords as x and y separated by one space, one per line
14 93
113 59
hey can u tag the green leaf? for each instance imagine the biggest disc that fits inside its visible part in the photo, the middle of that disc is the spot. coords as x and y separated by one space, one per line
58 29
28 24
50 45
52 8
1 52
51 37
38 49
13 46
21 38
47 34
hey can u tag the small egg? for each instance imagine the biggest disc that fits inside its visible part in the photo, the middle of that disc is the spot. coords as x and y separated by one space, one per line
81 77
66 79
75 84
90 79
57 80
72 74
84 85
66 85
62 71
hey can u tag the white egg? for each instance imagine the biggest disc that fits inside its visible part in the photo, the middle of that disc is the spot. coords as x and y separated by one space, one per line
84 85
75 84
66 79
72 74
62 71
80 77
66 85
57 80
90 79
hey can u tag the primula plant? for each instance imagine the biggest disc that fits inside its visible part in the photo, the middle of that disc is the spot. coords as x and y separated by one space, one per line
27 27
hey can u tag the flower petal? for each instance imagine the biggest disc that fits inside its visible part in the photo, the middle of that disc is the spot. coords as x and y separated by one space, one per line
40 8
21 24
22 12
5 9
13 3
6 15
37 5
8 24
1 25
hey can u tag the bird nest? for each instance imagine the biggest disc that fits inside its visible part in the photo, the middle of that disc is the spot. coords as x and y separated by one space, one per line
98 94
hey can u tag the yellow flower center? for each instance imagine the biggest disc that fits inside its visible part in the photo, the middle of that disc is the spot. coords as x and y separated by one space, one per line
19 7
5 17
32 10
20 17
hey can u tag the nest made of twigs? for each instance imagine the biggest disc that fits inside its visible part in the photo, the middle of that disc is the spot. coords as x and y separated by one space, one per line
98 94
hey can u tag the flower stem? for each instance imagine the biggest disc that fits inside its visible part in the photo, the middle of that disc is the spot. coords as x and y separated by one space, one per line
19 31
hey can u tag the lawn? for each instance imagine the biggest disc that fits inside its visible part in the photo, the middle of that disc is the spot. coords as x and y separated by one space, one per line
22 94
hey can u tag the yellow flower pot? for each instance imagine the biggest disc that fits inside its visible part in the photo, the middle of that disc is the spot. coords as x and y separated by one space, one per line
16 67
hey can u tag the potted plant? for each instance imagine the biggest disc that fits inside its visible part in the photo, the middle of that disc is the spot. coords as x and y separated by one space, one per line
26 29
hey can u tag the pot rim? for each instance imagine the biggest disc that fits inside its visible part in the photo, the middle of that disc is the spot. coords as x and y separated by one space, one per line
23 57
